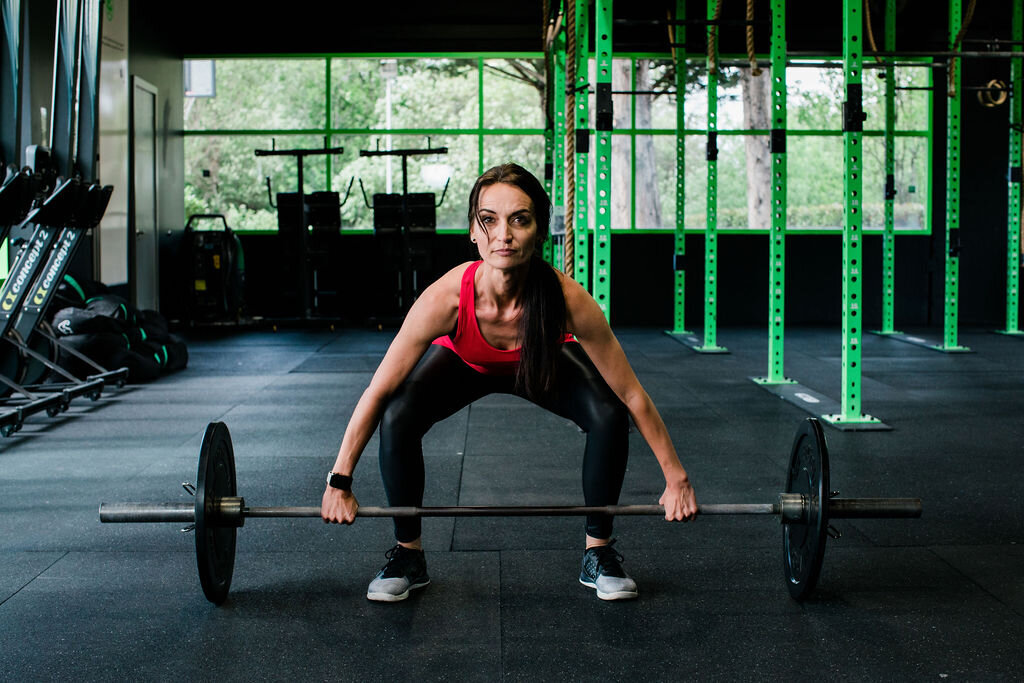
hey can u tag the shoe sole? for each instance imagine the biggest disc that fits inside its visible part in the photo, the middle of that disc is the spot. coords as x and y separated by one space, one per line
617 595
392 597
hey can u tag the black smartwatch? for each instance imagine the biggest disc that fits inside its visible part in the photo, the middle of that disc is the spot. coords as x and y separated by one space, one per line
339 481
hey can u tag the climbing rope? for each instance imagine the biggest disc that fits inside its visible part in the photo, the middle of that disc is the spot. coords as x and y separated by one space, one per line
751 55
871 36
713 40
570 138
956 46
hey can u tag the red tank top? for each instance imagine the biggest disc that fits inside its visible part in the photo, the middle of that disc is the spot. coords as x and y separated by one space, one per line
469 344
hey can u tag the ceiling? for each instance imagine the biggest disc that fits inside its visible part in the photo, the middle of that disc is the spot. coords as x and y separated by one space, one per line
309 27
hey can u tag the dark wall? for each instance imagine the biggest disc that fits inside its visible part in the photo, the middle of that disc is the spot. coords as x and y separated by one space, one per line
363 271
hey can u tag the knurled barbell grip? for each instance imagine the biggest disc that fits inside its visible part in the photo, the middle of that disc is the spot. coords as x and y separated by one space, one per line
517 511
184 512
789 507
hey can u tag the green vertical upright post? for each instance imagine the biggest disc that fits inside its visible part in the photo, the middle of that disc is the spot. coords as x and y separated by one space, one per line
581 222
558 159
1014 256
889 236
777 246
679 264
710 341
853 165
603 124
951 306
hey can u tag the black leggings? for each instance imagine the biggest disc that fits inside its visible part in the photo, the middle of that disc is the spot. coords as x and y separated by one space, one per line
442 384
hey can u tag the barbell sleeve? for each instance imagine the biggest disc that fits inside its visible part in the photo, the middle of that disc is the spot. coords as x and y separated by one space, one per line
147 512
868 508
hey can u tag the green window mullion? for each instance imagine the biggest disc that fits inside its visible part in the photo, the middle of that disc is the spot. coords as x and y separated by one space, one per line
632 146
480 116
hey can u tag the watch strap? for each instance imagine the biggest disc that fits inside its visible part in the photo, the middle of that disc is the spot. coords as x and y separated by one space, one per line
342 482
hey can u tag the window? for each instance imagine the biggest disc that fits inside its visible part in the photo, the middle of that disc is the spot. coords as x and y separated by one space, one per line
485 111
488 110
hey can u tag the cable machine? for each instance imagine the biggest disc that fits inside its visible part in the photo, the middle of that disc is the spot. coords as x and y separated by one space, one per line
319 210
409 217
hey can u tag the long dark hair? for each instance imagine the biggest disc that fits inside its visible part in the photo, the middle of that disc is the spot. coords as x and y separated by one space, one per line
542 303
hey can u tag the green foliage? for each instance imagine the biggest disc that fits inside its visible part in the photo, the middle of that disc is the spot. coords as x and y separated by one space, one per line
292 101
821 216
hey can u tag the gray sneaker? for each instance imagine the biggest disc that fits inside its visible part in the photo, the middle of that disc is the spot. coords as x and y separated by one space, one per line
602 570
405 571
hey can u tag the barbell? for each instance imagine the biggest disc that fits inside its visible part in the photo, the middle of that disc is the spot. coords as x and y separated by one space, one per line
804 510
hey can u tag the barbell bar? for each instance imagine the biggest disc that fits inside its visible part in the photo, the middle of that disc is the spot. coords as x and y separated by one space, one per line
218 511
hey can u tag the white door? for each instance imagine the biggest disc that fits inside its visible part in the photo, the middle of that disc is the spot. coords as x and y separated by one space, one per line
144 241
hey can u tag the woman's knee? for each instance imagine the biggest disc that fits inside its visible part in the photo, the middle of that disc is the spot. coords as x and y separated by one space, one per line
401 417
606 415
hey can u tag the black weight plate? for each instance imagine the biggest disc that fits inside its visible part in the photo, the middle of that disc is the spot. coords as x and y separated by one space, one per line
803 543
215 544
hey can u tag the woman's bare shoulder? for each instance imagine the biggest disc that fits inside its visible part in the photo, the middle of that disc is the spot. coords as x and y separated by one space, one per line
443 293
573 291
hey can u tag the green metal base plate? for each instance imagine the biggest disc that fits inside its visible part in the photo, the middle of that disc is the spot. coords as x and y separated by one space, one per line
922 342
1010 333
951 349
696 343
769 380
818 404
861 423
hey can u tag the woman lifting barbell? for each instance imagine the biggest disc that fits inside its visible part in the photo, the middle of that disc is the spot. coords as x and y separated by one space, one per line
508 323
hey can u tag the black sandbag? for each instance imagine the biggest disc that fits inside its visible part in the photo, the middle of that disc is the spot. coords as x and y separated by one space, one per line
170 354
72 321
177 353
101 347
74 291
141 368
154 324
110 351
113 306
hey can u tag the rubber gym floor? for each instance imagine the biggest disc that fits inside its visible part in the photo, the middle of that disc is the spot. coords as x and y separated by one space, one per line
941 597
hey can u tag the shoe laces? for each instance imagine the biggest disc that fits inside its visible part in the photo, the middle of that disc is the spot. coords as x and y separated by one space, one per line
398 557
608 558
